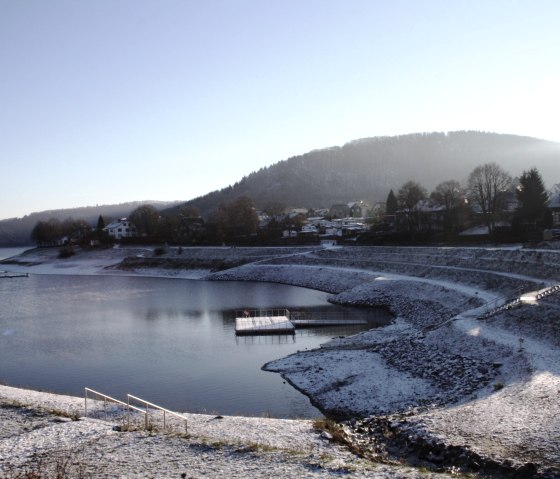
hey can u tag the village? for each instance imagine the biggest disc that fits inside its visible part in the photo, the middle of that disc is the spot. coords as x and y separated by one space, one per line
358 221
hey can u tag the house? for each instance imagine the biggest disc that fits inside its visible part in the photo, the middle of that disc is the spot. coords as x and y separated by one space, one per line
431 216
349 226
192 228
339 210
309 230
296 212
121 228
359 209
427 216
554 206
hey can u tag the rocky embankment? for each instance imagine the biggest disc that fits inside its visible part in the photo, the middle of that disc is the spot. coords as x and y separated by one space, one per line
439 387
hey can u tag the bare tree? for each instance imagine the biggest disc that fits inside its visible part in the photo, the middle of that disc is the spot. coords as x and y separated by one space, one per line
234 220
488 186
47 233
408 197
145 218
451 195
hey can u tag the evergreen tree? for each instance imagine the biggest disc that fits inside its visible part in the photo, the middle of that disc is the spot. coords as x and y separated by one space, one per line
391 205
532 198
100 223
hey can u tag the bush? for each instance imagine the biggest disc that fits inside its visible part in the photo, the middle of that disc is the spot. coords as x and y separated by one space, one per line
66 252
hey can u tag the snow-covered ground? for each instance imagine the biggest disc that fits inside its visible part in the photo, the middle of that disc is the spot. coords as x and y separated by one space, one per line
452 385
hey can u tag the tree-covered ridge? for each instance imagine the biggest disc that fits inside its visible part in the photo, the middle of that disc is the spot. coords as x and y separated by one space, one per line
369 168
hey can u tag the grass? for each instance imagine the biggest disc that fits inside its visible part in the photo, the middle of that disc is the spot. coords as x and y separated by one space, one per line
62 466
333 428
61 413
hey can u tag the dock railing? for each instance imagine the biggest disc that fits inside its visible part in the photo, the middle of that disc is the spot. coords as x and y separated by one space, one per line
262 313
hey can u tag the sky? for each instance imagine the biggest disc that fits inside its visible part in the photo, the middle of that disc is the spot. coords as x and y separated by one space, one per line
110 101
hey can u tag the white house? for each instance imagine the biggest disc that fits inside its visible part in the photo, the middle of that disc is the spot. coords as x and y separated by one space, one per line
309 230
121 228
554 205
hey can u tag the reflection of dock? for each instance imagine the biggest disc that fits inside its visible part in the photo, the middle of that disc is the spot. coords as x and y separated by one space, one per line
281 321
6 274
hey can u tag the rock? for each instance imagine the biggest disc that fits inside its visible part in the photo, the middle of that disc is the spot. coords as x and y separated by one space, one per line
526 470
62 419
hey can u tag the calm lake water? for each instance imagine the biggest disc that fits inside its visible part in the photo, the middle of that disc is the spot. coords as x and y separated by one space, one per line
165 340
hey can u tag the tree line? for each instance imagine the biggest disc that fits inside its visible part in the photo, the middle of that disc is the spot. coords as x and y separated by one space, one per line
234 220
489 192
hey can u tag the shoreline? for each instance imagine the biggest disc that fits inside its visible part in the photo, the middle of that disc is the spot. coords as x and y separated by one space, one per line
449 386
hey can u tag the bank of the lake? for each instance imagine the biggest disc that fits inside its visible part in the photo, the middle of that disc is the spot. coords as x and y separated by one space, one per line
448 387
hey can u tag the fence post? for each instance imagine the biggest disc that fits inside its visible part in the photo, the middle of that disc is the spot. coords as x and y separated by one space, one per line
85 401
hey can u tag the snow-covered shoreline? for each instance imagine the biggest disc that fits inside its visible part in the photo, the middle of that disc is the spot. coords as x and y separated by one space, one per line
440 375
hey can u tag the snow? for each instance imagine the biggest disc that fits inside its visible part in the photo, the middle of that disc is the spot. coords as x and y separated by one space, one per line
33 436
486 386
264 323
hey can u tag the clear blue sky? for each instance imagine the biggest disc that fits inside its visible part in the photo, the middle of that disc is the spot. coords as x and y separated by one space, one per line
111 101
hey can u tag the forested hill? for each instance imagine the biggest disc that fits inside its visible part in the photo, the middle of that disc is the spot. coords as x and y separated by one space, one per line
360 170
17 231
367 169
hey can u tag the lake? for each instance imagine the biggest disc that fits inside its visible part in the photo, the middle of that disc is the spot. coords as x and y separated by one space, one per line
169 341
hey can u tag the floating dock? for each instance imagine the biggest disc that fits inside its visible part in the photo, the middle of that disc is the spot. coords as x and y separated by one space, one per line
313 323
280 321
264 325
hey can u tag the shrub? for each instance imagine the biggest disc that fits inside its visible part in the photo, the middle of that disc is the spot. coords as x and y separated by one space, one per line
66 252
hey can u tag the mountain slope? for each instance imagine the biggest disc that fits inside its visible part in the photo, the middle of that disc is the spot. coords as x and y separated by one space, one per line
367 169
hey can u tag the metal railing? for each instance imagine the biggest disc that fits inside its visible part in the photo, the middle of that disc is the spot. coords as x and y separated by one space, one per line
124 406
262 313
129 407
147 405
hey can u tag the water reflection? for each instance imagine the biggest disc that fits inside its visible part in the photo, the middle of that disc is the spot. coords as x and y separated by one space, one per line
165 340
266 339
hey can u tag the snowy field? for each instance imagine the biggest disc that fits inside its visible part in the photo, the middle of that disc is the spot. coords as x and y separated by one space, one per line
439 387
